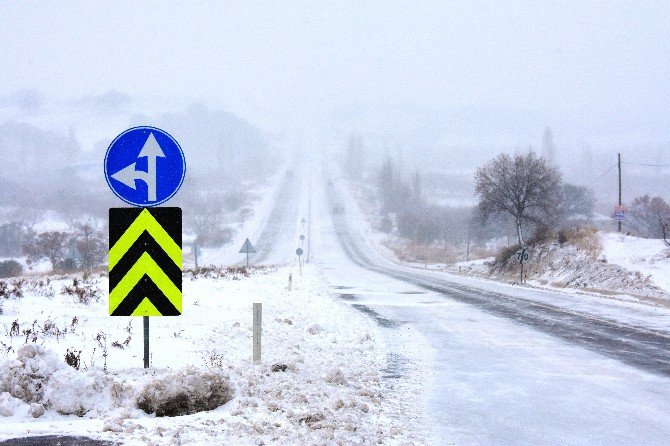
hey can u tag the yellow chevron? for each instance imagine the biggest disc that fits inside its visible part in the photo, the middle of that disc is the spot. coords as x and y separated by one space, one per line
144 265
146 308
145 221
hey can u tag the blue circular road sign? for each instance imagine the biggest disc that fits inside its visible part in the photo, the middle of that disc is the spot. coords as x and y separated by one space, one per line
145 166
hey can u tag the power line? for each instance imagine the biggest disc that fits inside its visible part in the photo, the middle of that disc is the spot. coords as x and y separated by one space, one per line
602 175
647 165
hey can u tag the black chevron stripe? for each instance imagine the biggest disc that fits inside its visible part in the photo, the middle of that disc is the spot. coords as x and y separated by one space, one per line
120 220
145 243
145 288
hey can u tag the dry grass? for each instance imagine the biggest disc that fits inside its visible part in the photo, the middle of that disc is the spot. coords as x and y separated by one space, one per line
424 253
584 238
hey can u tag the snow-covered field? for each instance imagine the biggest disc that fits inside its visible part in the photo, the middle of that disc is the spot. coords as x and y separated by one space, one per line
329 392
649 257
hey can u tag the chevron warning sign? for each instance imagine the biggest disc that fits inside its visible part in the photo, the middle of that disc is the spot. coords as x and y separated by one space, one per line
145 261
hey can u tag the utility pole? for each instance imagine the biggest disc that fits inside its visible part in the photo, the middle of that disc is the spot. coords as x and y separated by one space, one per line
619 163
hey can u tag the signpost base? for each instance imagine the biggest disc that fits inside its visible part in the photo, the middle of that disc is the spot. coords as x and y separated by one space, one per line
146 341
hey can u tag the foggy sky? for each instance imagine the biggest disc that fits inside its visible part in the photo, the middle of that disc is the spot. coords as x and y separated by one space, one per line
594 71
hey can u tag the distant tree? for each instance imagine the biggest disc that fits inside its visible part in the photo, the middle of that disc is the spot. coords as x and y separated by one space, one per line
524 186
355 157
577 201
10 268
50 245
387 186
422 227
90 245
649 217
13 236
417 185
548 147
386 225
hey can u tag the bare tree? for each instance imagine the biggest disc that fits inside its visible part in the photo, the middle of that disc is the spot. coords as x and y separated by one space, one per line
649 217
91 246
50 245
524 186
578 201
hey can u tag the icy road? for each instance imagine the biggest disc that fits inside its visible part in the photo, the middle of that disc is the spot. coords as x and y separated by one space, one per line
489 363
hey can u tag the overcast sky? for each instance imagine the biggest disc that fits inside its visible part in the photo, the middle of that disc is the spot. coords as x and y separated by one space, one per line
592 63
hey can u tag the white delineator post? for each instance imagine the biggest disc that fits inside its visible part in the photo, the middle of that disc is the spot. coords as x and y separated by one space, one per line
258 308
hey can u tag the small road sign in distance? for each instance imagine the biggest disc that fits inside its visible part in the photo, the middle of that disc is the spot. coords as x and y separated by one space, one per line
298 251
302 237
522 255
247 248
619 213
144 166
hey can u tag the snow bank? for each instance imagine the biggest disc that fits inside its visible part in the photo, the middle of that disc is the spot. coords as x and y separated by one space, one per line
26 377
185 392
319 380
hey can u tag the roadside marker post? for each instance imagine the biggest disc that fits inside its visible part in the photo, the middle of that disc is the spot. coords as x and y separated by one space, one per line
258 312
247 248
145 167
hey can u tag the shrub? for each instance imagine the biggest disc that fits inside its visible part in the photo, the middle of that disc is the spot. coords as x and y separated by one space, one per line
48 245
185 392
10 268
72 358
505 255
648 217
542 235
13 236
584 238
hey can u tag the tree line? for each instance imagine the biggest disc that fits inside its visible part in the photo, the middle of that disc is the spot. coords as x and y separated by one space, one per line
523 193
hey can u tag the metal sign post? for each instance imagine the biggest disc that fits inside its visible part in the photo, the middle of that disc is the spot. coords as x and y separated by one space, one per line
145 167
248 249
146 341
302 240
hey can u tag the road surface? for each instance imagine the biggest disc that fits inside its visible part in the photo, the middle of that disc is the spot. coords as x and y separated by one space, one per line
496 367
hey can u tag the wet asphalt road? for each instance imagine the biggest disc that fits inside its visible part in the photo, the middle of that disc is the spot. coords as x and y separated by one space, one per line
640 347
56 440
280 221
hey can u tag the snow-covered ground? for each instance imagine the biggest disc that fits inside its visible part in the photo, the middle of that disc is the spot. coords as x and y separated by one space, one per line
650 257
330 392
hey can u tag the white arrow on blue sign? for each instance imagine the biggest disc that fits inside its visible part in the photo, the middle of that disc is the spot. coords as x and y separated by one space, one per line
145 166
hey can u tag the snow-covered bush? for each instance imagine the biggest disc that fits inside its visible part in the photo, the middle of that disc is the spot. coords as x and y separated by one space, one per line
10 268
25 378
184 392
71 392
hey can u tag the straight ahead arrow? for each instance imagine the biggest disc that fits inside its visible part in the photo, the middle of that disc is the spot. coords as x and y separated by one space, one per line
129 174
